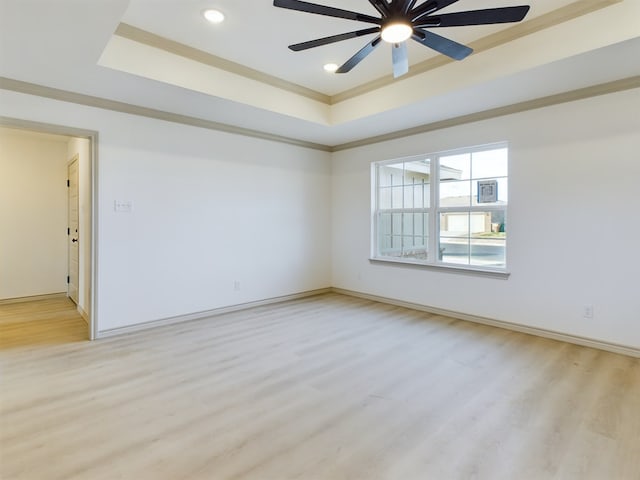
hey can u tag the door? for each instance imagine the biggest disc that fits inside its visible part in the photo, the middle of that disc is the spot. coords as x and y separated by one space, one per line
73 238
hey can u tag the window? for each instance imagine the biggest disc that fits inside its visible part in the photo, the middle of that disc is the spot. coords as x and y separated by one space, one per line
447 208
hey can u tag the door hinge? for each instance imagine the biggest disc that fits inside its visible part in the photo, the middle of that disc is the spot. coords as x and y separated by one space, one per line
68 183
68 231
68 279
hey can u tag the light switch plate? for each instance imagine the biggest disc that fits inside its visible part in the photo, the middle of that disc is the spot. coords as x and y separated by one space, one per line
123 206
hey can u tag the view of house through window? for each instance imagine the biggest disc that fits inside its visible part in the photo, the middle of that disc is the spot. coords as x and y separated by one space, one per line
445 208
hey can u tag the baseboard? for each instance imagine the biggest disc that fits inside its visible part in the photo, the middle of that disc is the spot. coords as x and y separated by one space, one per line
540 332
33 298
208 313
83 314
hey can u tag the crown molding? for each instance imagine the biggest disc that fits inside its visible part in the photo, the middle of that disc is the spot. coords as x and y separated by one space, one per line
90 101
565 97
122 107
547 20
156 41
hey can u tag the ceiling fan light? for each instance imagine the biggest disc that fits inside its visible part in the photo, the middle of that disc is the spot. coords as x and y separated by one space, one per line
214 16
396 32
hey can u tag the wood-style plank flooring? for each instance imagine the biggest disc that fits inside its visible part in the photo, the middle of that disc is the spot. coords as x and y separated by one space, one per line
325 388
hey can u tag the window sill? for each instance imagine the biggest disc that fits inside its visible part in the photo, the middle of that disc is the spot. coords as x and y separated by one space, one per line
465 270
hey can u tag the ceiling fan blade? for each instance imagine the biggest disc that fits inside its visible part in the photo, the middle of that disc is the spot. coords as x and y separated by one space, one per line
360 55
408 5
429 7
443 45
381 6
324 10
400 59
332 39
480 17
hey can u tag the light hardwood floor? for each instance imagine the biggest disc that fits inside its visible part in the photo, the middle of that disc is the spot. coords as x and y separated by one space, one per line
326 388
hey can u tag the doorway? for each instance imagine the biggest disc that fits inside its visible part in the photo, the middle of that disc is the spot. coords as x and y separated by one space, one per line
79 163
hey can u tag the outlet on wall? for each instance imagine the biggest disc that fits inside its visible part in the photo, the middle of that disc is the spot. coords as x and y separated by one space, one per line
587 311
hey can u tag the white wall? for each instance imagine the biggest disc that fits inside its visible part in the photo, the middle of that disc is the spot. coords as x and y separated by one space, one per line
33 214
574 183
80 147
208 209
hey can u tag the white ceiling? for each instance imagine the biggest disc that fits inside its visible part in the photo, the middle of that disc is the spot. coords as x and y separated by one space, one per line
248 36
70 45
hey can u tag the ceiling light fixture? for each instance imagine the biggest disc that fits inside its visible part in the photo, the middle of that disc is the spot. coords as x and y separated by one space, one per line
214 16
396 32
330 67
399 21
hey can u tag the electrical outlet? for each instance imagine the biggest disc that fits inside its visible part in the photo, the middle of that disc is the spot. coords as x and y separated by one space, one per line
236 285
587 311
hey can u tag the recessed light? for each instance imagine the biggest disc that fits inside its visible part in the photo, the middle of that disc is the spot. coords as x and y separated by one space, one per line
330 67
214 16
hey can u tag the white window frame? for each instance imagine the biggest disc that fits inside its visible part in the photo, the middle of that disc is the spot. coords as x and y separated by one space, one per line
434 210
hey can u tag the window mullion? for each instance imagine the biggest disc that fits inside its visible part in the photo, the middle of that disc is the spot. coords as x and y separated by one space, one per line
376 214
404 174
433 209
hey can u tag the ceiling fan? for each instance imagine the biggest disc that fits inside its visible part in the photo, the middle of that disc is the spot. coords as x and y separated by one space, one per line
400 20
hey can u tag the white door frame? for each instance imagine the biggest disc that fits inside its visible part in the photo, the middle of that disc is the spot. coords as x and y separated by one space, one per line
73 237
92 136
